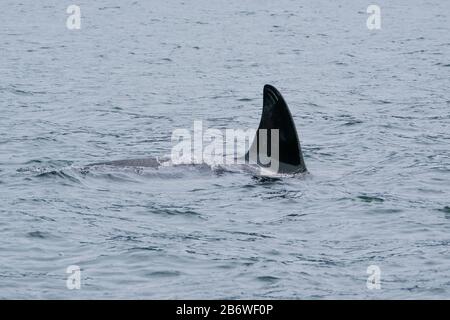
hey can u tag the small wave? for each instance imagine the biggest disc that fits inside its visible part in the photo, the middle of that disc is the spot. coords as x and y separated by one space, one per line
443 64
148 248
58 174
164 273
445 209
39 234
170 211
386 211
352 122
40 166
22 92
263 180
370 199
268 279
250 235
109 8
49 171
283 194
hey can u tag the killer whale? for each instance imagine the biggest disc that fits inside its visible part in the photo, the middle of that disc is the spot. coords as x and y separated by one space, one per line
275 115
142 163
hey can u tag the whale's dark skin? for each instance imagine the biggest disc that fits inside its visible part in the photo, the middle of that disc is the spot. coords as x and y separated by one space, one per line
275 115
144 163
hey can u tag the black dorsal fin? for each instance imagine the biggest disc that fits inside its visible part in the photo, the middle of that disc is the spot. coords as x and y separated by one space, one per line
276 115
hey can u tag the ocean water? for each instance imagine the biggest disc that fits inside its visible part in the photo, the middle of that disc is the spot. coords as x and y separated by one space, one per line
372 108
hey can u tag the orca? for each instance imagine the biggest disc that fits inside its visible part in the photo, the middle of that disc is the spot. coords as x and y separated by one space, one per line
285 150
276 115
141 163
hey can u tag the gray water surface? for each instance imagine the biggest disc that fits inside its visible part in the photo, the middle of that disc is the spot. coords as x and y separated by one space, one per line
372 108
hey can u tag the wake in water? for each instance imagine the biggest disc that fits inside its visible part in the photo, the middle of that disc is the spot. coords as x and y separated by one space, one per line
161 168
